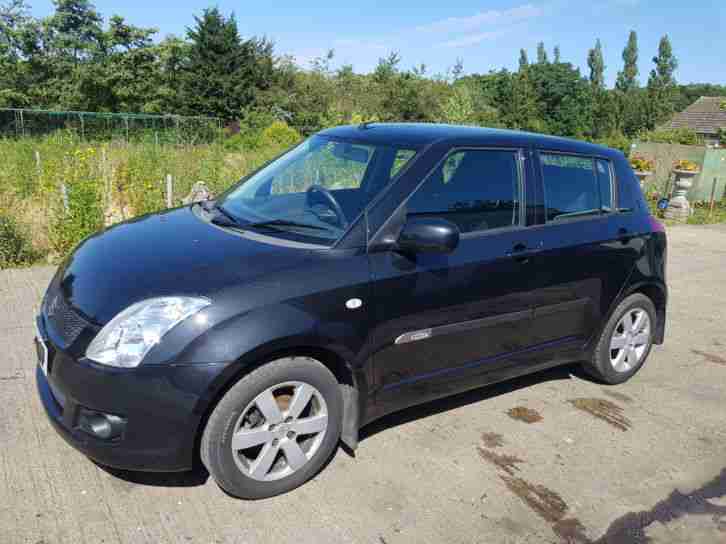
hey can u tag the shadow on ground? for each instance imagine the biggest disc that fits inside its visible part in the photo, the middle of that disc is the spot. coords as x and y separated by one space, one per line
193 478
470 397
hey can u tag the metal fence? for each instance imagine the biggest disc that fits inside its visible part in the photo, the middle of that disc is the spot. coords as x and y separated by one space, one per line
168 129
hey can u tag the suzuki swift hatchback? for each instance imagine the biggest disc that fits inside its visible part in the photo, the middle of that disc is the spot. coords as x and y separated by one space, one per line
368 269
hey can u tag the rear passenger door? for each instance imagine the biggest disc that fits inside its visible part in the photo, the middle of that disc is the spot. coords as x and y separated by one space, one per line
585 258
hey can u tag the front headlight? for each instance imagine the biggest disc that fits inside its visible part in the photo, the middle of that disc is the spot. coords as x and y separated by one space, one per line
128 337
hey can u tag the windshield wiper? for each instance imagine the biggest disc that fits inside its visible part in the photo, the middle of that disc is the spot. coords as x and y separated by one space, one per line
223 217
282 223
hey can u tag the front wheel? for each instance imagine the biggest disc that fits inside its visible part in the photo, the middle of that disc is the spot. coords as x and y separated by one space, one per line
625 342
274 429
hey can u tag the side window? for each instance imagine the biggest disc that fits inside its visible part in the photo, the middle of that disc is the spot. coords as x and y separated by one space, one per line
475 189
402 157
605 182
570 186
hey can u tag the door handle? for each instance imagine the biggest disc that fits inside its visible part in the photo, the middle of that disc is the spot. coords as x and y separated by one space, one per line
522 252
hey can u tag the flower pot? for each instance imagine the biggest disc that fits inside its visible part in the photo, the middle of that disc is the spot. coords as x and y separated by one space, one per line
678 208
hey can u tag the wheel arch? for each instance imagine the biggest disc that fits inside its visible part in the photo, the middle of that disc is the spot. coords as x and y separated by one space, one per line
658 295
352 386
655 291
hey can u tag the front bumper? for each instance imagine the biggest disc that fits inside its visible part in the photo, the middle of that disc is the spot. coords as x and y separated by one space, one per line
163 406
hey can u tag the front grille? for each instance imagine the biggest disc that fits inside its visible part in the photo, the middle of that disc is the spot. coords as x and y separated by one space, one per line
64 320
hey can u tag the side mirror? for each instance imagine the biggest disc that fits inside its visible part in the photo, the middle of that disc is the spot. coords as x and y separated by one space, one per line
428 235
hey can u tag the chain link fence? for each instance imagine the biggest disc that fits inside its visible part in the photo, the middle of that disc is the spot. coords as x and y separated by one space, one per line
128 127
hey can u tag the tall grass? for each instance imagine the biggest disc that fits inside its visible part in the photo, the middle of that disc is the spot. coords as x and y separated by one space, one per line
55 191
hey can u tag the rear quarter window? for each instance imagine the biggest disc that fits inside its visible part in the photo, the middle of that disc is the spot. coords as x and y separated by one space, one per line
630 196
571 186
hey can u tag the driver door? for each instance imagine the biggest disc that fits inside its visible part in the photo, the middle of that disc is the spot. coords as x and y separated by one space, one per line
446 323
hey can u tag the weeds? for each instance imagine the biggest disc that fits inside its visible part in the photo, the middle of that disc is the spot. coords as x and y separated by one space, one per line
55 191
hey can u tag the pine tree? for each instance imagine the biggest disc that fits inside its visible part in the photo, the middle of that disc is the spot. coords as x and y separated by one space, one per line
628 77
596 63
557 54
223 73
541 53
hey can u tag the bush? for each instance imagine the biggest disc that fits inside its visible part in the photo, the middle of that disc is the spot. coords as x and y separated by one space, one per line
15 248
276 135
683 136
616 140
279 134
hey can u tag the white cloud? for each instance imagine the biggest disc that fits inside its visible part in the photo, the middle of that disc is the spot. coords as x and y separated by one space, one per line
473 39
491 17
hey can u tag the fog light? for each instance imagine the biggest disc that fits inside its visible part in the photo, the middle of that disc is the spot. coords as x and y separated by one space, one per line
100 425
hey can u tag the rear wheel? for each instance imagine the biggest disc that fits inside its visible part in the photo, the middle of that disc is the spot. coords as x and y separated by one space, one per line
625 341
274 429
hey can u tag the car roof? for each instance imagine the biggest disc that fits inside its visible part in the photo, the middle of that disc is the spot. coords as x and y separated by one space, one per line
423 134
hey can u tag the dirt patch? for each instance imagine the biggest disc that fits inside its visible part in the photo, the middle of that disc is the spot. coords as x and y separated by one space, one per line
622 397
492 440
545 502
571 531
522 413
507 463
710 357
605 410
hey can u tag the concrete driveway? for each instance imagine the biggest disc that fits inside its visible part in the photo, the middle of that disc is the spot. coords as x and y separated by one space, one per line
550 458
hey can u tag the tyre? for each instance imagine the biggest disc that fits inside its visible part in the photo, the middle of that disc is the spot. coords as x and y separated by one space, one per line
274 429
625 341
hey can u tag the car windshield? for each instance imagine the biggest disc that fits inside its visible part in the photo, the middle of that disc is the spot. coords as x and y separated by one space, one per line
314 191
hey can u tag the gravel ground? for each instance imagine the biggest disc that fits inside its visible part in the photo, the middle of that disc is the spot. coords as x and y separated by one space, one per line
550 458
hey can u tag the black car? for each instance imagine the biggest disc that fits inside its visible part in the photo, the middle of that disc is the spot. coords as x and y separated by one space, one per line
366 270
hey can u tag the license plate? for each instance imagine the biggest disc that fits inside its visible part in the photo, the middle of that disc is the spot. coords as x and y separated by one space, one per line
42 351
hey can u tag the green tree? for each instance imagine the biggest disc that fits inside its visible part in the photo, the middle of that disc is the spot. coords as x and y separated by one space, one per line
73 46
523 59
14 25
662 89
223 73
603 104
628 78
557 54
563 97
458 70
459 107
515 99
541 54
596 63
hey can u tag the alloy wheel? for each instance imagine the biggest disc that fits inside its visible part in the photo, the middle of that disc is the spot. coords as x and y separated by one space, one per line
630 340
279 431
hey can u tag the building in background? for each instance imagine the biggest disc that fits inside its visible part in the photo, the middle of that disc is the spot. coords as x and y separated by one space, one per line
706 117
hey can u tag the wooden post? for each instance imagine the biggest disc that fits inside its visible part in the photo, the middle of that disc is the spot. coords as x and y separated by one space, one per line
38 166
169 190
713 198
106 181
64 196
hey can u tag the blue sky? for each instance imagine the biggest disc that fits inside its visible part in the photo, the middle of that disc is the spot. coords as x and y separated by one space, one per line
485 34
